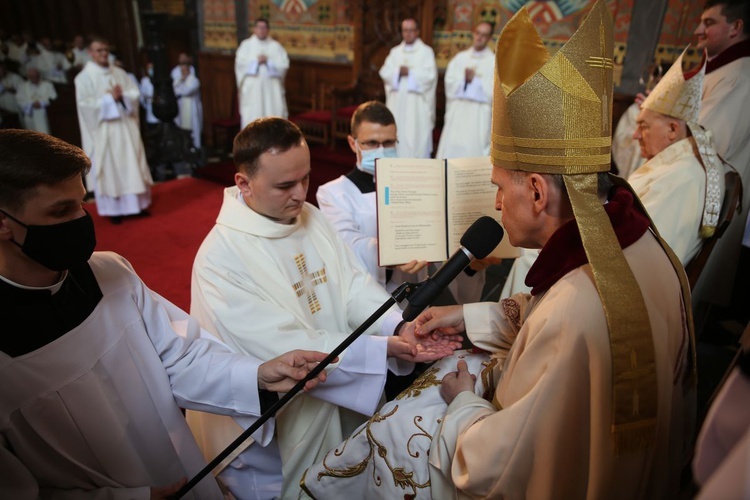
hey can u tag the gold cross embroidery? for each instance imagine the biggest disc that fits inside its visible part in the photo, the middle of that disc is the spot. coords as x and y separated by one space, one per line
308 281
605 63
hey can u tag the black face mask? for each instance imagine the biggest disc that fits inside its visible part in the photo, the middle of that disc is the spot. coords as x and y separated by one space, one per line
59 246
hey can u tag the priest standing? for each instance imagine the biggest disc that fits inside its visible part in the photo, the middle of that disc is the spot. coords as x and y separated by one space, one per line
468 99
34 96
260 66
410 77
107 101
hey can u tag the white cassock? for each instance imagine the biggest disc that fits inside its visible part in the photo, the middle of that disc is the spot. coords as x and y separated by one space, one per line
468 106
626 151
261 86
725 110
8 102
190 116
411 98
147 99
28 94
111 137
354 215
95 413
672 188
266 288
176 72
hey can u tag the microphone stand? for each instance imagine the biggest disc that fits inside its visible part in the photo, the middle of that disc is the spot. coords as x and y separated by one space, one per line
401 293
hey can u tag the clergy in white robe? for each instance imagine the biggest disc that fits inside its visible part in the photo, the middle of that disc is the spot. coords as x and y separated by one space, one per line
9 83
101 418
146 88
273 273
260 66
79 52
725 110
34 96
410 75
187 89
468 99
107 101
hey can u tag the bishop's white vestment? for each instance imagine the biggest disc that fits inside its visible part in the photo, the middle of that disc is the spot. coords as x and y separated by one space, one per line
111 137
266 288
354 215
94 413
29 93
725 110
672 188
261 86
468 106
411 98
190 107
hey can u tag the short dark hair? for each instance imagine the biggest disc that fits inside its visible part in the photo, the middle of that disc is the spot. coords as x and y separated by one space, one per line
275 135
31 159
263 20
733 10
373 112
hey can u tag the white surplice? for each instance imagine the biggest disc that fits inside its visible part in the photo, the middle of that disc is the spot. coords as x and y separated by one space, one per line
672 188
261 86
95 414
266 288
411 98
354 215
725 110
190 116
147 99
111 137
28 94
468 106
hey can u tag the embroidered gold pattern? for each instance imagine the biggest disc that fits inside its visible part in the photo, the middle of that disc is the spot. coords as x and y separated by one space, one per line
487 376
427 379
401 477
512 311
308 281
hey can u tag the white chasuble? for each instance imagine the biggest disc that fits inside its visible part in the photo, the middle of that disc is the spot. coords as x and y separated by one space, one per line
411 98
261 86
266 288
468 105
111 137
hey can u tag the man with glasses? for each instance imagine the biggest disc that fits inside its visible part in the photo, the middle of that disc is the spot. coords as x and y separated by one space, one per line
349 204
410 77
468 93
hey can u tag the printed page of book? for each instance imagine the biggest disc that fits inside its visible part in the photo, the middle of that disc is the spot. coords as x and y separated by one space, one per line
471 195
411 210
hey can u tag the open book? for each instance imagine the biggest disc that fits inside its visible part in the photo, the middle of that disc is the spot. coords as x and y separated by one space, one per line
424 206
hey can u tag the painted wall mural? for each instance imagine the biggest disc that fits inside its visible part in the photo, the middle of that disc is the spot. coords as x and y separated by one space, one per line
219 25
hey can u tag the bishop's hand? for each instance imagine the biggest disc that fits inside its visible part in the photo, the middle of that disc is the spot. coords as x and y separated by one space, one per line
408 347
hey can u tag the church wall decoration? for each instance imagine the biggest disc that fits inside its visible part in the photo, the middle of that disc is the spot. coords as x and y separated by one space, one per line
219 25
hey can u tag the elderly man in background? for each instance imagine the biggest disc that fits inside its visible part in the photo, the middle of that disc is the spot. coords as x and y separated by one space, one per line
34 96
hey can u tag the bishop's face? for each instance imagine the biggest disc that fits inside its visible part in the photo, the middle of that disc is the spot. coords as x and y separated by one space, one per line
653 133
513 199
279 187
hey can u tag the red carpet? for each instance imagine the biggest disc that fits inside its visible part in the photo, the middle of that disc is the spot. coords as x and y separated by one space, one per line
162 247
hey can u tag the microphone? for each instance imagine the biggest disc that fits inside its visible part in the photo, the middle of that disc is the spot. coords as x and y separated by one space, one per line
477 242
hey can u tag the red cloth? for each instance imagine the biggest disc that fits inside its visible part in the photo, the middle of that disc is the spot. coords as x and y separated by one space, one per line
564 251
736 51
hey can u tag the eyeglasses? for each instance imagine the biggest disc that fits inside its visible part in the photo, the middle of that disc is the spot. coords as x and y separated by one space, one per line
391 143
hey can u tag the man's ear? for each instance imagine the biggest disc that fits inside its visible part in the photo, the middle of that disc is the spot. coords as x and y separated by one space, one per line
352 143
6 233
539 190
243 183
737 27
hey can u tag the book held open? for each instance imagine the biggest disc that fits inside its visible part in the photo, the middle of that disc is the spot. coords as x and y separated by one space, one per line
424 206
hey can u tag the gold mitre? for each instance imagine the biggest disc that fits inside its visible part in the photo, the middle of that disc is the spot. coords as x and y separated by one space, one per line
678 94
552 114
